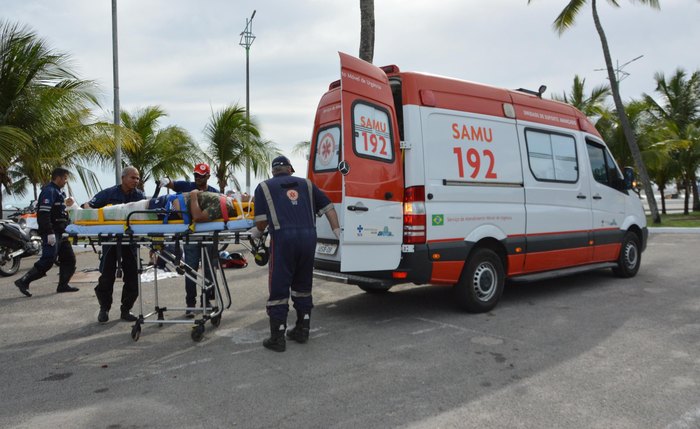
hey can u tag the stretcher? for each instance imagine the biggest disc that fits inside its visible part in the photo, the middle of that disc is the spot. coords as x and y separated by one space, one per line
155 230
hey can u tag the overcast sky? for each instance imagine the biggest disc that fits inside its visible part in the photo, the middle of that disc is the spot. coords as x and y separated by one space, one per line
184 55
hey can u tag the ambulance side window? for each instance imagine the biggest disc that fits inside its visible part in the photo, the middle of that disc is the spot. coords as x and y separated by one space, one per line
327 153
602 166
552 156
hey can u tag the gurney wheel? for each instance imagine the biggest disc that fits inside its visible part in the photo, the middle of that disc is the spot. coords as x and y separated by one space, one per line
197 333
216 321
136 332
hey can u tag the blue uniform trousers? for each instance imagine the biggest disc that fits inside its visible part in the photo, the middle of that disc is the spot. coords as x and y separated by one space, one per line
108 268
291 267
61 250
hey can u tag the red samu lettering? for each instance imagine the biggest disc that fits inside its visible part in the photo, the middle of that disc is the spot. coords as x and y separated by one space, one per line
373 124
470 132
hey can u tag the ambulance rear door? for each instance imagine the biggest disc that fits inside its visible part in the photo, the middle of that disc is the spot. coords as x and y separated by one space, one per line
371 167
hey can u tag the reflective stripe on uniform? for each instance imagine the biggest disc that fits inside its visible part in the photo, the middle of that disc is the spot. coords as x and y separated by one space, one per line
277 302
270 206
296 294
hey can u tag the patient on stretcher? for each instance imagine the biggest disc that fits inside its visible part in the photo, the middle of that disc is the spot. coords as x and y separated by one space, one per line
198 207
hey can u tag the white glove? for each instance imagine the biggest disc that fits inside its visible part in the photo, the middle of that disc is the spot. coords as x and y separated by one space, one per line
337 232
164 182
255 232
51 239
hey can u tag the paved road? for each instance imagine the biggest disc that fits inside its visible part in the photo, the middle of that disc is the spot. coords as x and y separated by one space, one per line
590 351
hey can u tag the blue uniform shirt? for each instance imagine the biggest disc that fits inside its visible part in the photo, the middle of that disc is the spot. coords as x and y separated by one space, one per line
180 186
292 204
115 195
51 213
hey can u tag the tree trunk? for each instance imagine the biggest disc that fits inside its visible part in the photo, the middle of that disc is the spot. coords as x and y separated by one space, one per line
626 127
663 201
696 200
367 30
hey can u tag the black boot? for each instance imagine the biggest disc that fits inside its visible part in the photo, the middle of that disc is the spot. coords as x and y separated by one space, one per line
23 282
63 277
276 341
300 333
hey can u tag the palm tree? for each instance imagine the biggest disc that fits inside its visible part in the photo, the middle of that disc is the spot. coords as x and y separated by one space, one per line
592 105
43 109
679 112
367 30
156 152
565 20
232 140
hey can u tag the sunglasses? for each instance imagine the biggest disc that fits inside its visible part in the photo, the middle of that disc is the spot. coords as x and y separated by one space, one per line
200 176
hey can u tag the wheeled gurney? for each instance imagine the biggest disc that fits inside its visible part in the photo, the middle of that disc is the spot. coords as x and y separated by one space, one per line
153 228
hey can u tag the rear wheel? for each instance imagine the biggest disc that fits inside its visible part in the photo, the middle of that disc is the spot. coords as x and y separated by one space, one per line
481 284
8 267
630 256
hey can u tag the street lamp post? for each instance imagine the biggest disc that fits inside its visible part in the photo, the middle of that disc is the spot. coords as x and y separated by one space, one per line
247 39
115 64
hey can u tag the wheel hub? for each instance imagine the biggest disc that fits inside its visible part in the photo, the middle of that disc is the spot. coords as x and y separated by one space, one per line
484 281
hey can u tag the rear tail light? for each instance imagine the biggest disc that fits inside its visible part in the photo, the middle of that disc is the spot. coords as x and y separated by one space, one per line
414 228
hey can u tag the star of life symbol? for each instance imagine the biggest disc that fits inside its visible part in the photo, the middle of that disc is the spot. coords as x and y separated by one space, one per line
326 149
359 230
293 196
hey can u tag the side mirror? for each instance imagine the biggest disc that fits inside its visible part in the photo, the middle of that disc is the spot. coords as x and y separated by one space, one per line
628 174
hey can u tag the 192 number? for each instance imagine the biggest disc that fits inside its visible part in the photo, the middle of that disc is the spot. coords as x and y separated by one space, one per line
474 161
375 142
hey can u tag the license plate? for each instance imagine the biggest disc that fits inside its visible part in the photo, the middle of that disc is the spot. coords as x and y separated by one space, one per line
326 248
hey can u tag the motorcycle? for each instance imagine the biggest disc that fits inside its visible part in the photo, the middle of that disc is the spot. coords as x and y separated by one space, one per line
26 217
15 244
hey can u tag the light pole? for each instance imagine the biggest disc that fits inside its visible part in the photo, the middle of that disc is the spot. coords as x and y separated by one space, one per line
115 64
247 39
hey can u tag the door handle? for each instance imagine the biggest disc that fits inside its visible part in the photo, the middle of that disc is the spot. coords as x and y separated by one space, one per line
581 197
597 197
358 208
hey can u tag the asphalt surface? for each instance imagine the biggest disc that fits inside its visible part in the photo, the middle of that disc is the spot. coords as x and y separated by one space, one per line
587 351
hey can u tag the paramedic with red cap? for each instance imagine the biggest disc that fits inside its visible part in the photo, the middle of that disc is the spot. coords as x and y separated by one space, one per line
193 255
289 205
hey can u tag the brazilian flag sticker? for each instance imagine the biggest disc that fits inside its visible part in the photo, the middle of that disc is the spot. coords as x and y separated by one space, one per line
438 220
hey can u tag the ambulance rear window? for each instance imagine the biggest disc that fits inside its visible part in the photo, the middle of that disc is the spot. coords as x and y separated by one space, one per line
552 156
327 149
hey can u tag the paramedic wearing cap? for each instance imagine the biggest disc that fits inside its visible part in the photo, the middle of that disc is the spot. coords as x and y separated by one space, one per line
289 206
127 191
193 255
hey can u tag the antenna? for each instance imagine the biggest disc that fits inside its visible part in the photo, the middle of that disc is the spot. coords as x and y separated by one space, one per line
620 74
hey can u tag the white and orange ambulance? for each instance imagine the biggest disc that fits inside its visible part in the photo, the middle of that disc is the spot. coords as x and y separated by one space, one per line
448 182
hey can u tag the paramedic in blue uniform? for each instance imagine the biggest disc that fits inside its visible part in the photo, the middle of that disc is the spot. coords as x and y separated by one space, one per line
193 255
288 206
52 219
125 192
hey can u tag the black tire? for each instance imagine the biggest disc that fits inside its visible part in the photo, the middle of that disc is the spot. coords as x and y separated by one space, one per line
481 284
8 267
630 258
197 333
376 290
216 321
136 332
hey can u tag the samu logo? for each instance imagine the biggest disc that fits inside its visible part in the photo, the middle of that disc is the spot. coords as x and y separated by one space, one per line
293 196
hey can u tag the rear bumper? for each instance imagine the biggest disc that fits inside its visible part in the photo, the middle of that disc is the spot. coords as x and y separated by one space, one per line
416 266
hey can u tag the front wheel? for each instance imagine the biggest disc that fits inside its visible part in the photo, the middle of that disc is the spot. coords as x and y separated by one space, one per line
630 257
8 267
482 281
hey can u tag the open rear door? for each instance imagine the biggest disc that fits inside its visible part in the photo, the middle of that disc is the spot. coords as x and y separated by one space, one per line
372 205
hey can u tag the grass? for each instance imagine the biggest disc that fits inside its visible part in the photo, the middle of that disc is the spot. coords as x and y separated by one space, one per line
691 220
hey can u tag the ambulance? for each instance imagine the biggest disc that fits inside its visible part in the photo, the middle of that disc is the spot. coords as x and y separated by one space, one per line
447 182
